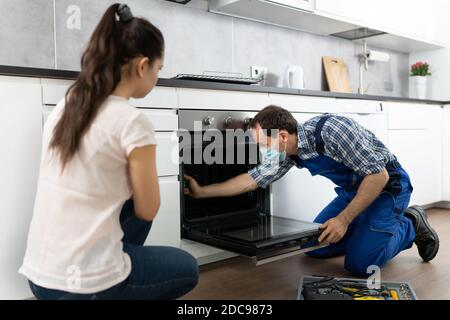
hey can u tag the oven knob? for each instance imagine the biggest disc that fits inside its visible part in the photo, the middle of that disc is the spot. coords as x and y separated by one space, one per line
207 121
247 121
228 121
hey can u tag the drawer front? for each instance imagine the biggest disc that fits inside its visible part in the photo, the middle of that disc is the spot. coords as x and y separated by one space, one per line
167 159
305 104
159 97
163 120
407 116
54 90
295 103
220 99
359 106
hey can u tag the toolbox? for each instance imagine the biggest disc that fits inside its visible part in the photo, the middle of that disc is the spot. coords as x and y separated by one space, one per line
332 288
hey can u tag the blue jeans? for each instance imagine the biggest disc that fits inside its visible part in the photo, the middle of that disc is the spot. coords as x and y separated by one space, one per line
157 272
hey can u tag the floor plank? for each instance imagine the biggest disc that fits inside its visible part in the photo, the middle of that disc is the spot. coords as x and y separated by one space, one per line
238 278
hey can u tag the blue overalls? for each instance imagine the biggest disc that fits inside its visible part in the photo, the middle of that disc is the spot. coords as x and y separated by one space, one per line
381 231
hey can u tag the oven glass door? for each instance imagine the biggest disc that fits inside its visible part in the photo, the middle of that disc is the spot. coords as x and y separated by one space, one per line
241 224
264 236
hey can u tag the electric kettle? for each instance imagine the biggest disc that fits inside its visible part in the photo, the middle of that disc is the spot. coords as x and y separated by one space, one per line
294 77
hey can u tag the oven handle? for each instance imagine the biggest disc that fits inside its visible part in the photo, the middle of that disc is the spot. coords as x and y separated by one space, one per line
257 260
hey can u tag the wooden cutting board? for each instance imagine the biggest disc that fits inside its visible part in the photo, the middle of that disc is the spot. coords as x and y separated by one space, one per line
336 72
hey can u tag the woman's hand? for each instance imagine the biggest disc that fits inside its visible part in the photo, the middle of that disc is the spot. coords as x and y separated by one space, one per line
194 190
333 230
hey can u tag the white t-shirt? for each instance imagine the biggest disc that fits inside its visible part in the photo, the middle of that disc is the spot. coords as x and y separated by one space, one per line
74 242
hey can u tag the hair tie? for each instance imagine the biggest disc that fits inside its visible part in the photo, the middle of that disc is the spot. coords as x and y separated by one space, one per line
124 13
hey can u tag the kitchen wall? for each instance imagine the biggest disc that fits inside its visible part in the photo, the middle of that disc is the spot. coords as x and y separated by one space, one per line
52 33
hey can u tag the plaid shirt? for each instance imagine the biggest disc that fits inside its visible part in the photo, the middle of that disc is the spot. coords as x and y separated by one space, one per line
346 142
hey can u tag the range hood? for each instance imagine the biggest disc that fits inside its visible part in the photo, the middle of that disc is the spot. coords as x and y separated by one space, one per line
180 1
358 34
293 14
301 15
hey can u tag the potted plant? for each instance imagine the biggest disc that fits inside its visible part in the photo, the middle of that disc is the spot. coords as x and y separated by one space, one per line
419 73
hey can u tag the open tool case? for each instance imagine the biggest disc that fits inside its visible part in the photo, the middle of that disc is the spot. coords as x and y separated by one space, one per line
330 288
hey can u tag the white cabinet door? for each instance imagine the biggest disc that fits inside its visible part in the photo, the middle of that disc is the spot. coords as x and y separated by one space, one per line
411 18
356 11
162 120
20 141
298 195
166 225
418 147
167 154
446 155
53 90
405 145
159 97
377 123
434 154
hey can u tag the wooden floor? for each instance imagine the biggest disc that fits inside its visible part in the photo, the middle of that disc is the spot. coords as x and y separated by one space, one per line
238 278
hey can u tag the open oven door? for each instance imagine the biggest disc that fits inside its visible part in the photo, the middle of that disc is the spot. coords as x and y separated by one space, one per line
261 237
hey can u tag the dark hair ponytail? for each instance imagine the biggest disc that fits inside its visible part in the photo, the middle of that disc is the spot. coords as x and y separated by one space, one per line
117 38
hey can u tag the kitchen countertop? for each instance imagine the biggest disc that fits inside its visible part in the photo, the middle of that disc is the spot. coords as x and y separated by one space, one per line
69 75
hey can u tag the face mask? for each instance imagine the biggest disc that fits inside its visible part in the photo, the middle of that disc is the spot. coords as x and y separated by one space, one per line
271 154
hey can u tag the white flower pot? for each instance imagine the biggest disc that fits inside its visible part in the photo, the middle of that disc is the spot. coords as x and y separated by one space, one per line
419 87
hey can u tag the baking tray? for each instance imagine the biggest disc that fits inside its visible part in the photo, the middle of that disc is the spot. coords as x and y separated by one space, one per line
392 285
219 78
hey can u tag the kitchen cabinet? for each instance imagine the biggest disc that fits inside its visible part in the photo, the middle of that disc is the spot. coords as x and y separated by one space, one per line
415 136
446 154
408 26
409 18
377 123
166 225
293 14
167 159
53 90
20 140
162 120
354 10
165 123
159 97
304 104
418 134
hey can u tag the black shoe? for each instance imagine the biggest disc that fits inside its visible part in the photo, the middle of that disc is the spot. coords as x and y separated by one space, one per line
427 240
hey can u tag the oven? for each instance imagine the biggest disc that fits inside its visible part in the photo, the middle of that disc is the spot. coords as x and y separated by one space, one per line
214 147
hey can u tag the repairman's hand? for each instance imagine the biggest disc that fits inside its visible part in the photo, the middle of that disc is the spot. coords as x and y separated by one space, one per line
194 190
333 230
